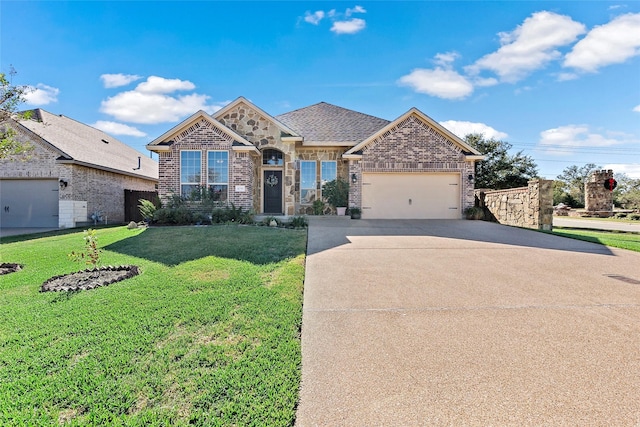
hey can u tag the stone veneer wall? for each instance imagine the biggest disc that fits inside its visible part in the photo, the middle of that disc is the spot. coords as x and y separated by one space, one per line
413 147
264 134
529 207
596 197
319 154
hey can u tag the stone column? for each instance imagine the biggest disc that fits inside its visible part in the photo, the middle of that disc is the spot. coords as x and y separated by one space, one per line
596 197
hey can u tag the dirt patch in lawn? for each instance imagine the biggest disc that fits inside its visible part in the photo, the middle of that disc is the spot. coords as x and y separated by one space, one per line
90 279
6 268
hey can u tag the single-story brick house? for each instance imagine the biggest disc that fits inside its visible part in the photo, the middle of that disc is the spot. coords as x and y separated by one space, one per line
72 172
411 167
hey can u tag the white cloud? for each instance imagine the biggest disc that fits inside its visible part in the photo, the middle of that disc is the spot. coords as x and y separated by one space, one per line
340 22
114 128
357 9
632 170
484 82
565 140
41 94
637 108
438 82
155 84
563 77
351 26
530 46
611 43
462 129
117 80
150 102
314 18
446 59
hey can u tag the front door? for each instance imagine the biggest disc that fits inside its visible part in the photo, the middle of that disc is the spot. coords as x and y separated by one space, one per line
272 184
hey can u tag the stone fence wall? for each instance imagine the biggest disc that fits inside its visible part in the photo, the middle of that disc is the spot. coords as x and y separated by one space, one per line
529 207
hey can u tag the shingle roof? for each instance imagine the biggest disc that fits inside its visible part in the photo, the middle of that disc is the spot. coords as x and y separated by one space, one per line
327 124
87 145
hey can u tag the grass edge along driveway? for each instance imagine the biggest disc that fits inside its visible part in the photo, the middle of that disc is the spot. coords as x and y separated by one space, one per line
208 334
616 239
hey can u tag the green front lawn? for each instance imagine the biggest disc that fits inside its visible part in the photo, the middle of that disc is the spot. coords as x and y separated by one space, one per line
615 239
208 334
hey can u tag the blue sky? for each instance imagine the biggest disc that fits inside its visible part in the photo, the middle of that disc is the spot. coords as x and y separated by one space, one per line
558 80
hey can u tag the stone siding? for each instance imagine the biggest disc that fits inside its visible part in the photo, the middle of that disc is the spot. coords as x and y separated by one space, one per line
596 197
262 132
413 147
528 207
320 154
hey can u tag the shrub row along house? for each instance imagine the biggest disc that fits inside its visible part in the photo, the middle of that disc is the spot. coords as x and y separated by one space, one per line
411 167
73 174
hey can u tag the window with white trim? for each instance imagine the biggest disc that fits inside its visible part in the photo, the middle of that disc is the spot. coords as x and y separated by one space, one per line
328 171
218 175
190 172
308 181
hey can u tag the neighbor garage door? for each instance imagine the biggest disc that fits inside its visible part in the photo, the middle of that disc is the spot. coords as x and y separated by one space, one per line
411 195
28 203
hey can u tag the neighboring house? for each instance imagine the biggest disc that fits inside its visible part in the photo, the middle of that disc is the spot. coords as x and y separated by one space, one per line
411 167
75 174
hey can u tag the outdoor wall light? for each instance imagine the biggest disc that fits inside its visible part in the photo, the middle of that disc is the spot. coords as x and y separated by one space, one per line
354 178
63 183
470 178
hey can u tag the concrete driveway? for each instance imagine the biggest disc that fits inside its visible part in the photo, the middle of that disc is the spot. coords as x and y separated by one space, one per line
423 323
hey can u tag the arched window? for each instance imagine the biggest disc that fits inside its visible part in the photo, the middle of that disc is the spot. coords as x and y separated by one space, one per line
272 158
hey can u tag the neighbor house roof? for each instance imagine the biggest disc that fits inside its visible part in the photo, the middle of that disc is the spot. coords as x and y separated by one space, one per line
326 124
82 144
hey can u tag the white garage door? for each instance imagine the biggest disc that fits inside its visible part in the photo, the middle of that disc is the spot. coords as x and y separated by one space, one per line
411 195
28 203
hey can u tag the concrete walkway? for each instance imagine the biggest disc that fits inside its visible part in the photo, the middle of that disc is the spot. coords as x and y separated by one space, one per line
426 323
562 221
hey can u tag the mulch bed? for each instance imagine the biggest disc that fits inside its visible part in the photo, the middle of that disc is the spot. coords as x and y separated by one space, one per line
6 268
90 278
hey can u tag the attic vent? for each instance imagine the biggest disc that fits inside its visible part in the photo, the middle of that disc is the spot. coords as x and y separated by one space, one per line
105 141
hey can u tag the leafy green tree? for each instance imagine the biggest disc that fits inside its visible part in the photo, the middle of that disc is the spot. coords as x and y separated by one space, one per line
10 98
569 186
500 169
627 193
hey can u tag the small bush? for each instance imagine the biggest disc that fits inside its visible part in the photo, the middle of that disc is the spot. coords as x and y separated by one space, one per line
318 207
180 215
230 213
634 217
147 209
474 213
621 215
298 222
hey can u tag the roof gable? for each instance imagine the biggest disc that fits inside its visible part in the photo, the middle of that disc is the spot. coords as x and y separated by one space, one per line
189 125
470 152
82 144
327 124
241 101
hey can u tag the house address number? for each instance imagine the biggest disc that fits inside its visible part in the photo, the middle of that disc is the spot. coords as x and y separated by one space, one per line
241 188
